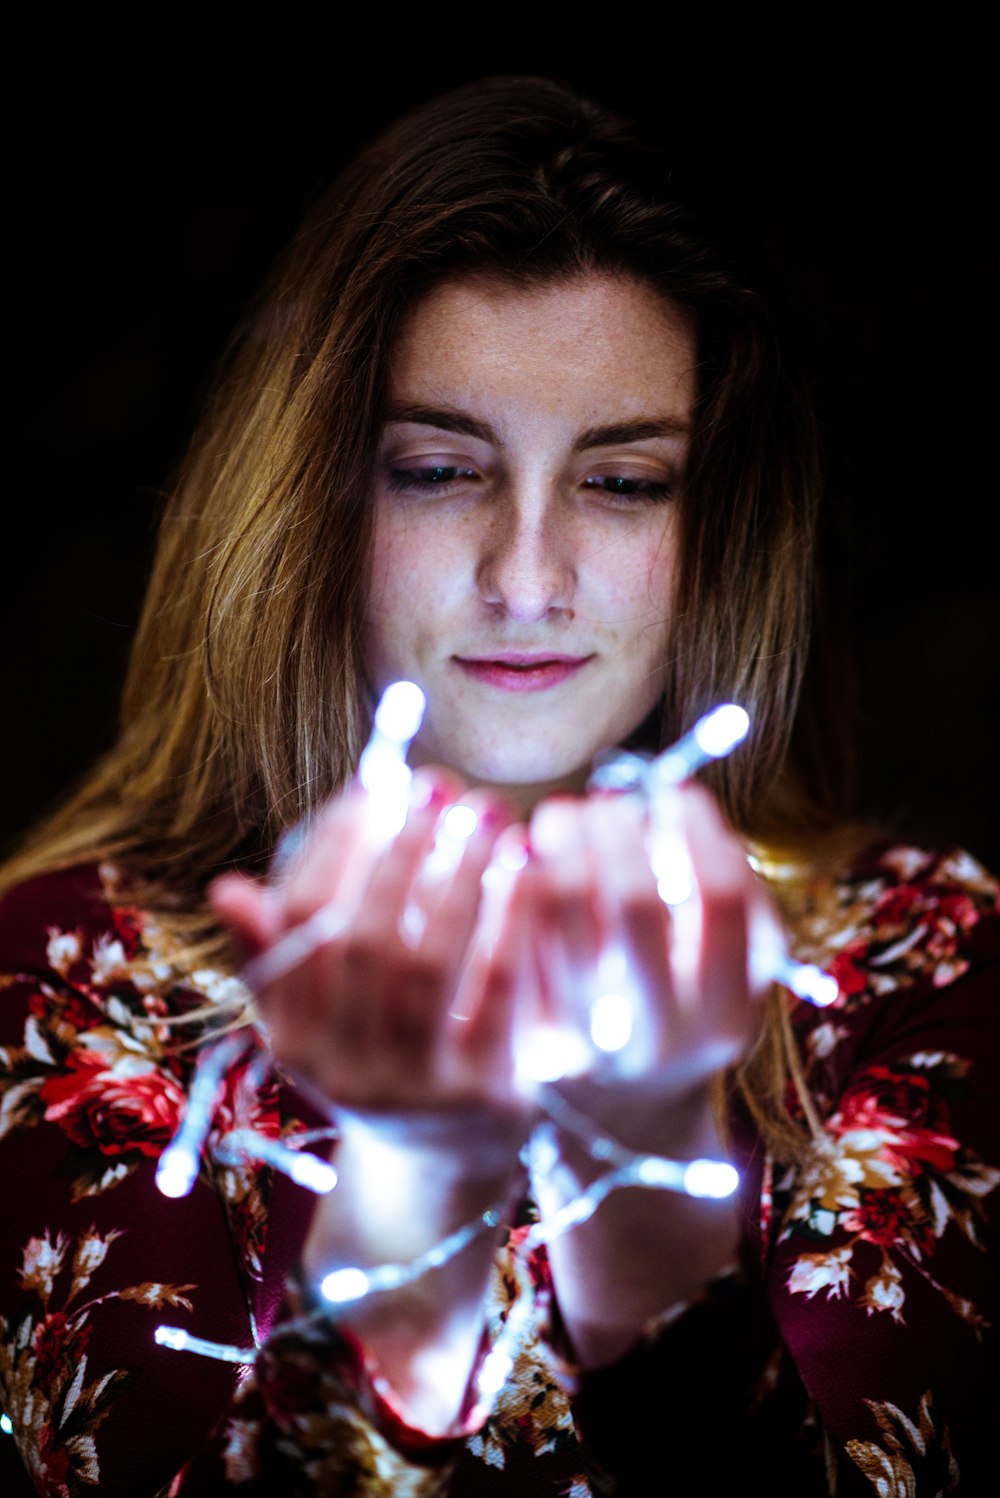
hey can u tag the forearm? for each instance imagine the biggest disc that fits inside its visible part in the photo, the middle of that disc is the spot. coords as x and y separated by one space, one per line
399 1198
643 1252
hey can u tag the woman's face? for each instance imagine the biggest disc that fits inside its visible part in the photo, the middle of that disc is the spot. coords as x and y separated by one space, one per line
525 535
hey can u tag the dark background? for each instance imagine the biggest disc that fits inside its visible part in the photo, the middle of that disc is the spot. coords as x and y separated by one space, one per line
148 192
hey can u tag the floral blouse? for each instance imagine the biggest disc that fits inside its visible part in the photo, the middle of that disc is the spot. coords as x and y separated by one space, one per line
855 1352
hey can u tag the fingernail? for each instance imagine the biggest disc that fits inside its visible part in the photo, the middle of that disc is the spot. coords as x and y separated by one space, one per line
513 851
553 827
427 789
510 855
494 816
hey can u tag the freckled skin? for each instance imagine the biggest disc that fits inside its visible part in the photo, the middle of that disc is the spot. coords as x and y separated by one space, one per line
526 535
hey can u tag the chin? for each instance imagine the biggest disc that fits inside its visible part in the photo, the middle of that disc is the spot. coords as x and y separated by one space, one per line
525 774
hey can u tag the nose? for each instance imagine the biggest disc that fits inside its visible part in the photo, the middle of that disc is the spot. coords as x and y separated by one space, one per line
527 567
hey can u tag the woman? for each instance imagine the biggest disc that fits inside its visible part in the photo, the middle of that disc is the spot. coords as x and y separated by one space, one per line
509 424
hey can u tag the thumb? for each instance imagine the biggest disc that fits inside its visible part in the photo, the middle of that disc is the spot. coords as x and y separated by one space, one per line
249 910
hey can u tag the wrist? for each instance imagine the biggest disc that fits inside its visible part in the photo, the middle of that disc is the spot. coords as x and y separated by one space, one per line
419 1319
591 1136
462 1142
352 1374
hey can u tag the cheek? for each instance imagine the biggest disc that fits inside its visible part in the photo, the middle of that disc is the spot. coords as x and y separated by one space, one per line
400 559
639 581
414 571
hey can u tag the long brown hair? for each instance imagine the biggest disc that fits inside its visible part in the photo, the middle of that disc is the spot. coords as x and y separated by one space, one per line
245 704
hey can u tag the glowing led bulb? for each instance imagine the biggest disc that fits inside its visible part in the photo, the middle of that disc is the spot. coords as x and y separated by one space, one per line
716 1178
309 1171
493 1374
382 769
177 1170
178 1166
809 982
611 1021
672 867
400 711
770 963
171 1336
613 1008
719 731
305 1169
460 822
712 737
548 1052
344 1285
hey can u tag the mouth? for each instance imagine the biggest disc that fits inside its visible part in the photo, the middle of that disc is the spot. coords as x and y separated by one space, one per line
522 671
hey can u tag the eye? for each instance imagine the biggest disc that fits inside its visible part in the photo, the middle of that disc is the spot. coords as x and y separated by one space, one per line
630 490
424 480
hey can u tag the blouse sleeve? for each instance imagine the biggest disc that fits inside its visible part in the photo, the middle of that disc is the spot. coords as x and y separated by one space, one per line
885 1280
856 1351
93 1257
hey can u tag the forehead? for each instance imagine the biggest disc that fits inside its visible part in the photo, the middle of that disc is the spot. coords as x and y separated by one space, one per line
588 344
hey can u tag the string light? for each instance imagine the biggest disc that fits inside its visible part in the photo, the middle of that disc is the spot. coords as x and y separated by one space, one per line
382 769
615 1007
342 1286
178 1166
351 1284
807 981
454 830
386 776
550 1054
178 1340
305 1169
499 1360
715 1178
714 736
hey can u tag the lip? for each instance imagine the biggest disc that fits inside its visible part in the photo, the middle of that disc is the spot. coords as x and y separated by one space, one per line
522 671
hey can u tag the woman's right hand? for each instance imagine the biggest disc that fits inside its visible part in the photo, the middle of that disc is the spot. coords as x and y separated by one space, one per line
366 1018
402 1024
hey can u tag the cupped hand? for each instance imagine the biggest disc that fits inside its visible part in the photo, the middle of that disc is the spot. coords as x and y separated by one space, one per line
399 1020
607 946
401 1009
668 989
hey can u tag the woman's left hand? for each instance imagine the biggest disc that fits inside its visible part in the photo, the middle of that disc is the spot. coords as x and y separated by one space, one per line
684 972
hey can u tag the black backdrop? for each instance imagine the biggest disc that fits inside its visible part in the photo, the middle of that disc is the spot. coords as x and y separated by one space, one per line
150 188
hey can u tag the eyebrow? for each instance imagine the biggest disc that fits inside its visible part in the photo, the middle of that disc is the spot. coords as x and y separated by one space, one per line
608 435
616 432
443 418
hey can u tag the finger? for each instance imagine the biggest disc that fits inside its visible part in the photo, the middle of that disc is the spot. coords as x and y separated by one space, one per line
253 912
451 900
636 926
568 922
335 861
725 891
393 873
248 909
332 997
431 955
328 859
499 980
632 913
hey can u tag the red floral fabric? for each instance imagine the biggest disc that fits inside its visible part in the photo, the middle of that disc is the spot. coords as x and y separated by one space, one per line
856 1353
